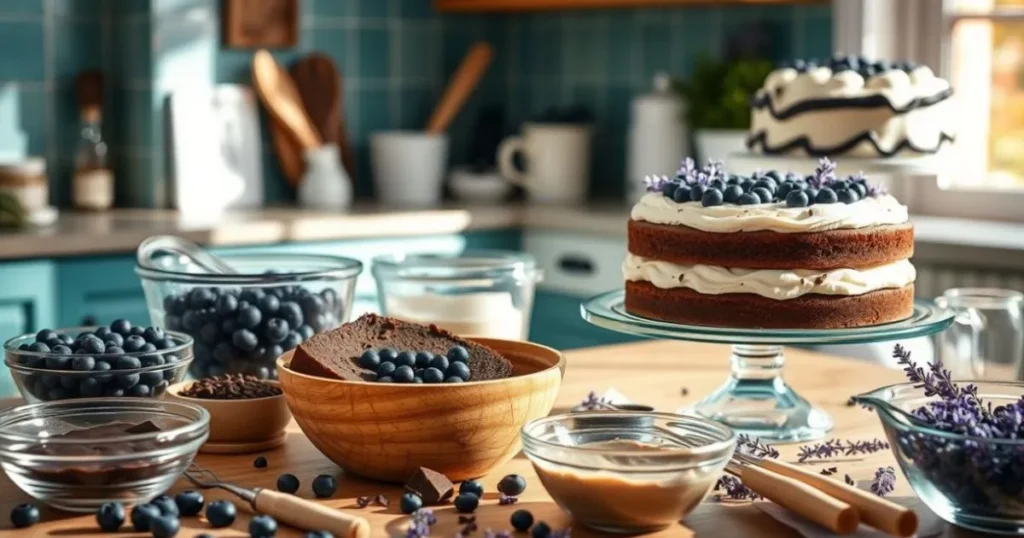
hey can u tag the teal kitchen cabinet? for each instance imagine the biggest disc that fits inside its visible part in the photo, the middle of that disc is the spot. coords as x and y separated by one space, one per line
26 304
99 290
556 323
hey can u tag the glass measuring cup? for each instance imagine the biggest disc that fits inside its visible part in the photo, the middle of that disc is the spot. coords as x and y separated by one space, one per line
986 340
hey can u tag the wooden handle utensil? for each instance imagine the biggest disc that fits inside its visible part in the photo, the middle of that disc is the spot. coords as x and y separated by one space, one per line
461 85
815 505
875 511
308 515
278 93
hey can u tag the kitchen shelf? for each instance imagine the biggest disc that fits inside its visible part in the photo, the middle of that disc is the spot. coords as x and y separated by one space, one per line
549 5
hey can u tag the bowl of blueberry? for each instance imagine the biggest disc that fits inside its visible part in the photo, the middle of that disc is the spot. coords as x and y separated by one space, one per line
244 320
116 360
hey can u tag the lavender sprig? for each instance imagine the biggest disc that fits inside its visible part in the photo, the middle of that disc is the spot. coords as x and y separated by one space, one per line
362 502
848 480
592 402
829 471
655 183
687 170
417 530
734 488
823 174
936 382
424 516
754 447
836 447
884 481
504 500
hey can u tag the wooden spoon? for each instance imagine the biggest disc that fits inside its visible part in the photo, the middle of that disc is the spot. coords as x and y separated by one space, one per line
278 93
319 84
289 153
461 85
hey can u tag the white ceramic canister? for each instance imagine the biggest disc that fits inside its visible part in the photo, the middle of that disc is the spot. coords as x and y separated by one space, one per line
409 167
26 182
657 140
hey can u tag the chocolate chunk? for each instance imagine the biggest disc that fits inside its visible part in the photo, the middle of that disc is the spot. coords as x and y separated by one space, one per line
231 387
143 427
432 486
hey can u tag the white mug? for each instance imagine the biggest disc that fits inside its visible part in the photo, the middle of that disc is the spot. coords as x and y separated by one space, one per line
408 167
557 161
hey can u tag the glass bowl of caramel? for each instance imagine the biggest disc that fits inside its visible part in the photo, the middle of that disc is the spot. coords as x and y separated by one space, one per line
627 472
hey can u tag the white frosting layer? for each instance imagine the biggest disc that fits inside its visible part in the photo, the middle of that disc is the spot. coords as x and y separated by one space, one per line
787 86
770 283
729 218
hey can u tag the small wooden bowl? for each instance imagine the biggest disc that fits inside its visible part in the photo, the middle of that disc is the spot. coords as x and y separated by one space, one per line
240 425
387 431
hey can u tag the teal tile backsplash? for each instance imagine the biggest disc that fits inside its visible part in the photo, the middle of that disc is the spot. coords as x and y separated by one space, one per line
395 57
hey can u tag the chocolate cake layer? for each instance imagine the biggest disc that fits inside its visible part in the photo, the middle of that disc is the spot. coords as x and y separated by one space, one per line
856 249
335 354
813 311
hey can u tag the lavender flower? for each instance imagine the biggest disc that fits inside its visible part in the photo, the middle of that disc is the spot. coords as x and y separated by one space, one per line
417 530
829 471
655 183
848 480
884 482
755 447
382 500
466 519
687 170
592 402
835 447
504 500
362 502
734 488
424 516
825 173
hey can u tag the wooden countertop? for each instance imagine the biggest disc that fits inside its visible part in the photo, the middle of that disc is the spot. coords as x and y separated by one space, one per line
652 372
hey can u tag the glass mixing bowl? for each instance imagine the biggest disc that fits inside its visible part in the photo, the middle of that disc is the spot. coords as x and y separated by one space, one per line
243 321
973 482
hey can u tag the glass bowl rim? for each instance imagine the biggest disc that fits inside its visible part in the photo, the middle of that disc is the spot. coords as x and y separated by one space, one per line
198 422
915 425
344 268
11 348
531 442
426 266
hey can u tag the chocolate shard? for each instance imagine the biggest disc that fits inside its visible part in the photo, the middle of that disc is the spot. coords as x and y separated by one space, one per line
143 427
432 486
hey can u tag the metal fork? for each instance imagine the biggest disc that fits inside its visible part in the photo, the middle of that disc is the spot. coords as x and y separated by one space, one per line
295 511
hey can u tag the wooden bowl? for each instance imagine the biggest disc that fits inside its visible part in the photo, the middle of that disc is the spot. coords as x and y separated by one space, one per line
240 425
387 431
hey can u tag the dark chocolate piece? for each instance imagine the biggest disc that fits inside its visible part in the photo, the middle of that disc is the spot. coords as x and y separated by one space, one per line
143 427
432 486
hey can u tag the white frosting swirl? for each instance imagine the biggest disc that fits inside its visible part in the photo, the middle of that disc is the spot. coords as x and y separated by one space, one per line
787 86
771 283
728 218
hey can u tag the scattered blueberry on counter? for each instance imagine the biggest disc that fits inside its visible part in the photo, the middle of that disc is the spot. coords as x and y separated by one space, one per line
110 516
142 515
80 364
166 526
166 505
260 462
262 527
466 503
190 503
521 520
472 486
24 515
540 530
512 485
324 486
244 331
220 514
288 483
393 366
410 502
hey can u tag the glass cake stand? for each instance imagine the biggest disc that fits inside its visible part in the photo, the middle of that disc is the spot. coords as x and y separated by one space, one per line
755 399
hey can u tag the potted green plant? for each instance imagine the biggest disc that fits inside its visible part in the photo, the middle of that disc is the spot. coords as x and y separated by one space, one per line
718 103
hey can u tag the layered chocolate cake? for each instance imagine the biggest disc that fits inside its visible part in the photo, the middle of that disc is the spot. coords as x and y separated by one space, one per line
850 105
773 250
356 350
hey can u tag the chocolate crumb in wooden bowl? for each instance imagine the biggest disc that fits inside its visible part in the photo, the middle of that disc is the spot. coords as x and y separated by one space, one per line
231 387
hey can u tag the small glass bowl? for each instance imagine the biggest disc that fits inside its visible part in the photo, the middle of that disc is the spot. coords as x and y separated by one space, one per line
80 474
627 472
973 482
37 383
312 293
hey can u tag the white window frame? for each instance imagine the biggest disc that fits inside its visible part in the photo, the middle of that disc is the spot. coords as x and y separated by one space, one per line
917 30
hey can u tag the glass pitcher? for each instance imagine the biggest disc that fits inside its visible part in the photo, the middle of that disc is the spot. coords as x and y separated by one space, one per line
986 340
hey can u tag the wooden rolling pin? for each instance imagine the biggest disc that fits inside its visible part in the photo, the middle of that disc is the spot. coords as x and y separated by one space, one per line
308 515
461 85
803 499
875 511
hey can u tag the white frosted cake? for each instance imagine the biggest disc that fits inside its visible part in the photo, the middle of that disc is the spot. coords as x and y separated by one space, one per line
852 106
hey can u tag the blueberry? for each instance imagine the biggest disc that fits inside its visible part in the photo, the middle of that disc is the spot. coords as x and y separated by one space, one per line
223 352
164 526
453 379
826 196
540 530
45 335
269 305
166 505
847 196
512 485
200 298
459 370
405 358
292 340
748 199
385 379
61 349
386 369
165 343
458 354
324 486
151 360
133 343
766 183
681 194
110 516
410 503
440 362
113 350
39 347
260 462
433 375
153 334
859 188
763 194
717 184
668 188
175 305
113 392
57 363
423 358
121 326
249 317
244 340
189 503
56 394
125 362
192 321
24 515
291 312
262 526
747 184
466 503
142 515
221 513
127 381
277 329
306 332
82 363
311 306
147 348
69 382
696 193
403 374
472 486
369 359
797 199
812 195
287 483
521 520
226 305
387 354
272 353
712 197
90 387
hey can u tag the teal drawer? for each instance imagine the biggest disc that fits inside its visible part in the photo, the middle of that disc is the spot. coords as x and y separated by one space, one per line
100 290
27 304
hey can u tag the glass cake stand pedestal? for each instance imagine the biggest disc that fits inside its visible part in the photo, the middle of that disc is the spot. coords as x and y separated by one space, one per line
755 398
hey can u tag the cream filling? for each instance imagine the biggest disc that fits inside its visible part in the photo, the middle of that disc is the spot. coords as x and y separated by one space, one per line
771 283
729 218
